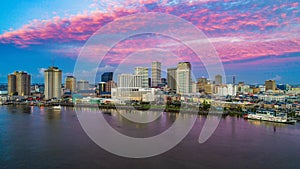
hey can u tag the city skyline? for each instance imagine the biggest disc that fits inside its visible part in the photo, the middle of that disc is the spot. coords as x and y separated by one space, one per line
150 84
255 40
229 79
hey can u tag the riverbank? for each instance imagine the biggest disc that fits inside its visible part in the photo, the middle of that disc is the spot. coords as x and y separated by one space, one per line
164 108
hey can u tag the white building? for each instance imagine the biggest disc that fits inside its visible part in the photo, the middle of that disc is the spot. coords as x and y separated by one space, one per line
133 93
231 89
269 98
129 80
262 88
144 72
225 90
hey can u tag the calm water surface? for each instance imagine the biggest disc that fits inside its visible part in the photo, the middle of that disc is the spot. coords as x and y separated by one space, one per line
33 137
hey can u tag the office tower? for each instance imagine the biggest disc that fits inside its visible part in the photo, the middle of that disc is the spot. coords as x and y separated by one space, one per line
183 78
129 80
270 85
218 79
102 87
71 83
83 85
19 83
11 85
53 80
171 78
107 76
144 72
156 73
110 84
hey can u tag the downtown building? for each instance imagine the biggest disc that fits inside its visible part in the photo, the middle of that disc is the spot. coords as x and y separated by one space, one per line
53 81
183 78
130 87
104 89
144 73
171 78
107 76
201 83
71 84
156 74
19 84
270 85
218 80
130 80
83 85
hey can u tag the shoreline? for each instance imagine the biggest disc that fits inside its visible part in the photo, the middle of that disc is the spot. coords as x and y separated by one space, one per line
113 107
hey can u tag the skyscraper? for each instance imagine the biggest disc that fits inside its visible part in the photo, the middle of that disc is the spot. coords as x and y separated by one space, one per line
144 72
218 79
11 85
183 78
107 76
83 85
110 84
53 80
270 85
171 78
102 87
71 83
19 83
156 73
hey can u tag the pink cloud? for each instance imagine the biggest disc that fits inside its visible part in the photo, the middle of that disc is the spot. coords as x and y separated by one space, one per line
236 35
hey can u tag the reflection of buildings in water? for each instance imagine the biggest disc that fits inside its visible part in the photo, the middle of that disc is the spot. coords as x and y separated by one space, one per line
25 109
138 116
32 109
233 121
124 117
18 109
42 110
53 114
267 124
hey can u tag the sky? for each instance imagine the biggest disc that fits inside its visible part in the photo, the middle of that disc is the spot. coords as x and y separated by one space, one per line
256 40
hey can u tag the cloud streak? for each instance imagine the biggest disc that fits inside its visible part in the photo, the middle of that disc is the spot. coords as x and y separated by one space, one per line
239 30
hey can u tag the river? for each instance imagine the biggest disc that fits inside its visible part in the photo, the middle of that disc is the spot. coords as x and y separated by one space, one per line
42 138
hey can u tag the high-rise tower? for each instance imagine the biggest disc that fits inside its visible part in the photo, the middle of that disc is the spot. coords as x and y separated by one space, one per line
156 73
53 80
183 78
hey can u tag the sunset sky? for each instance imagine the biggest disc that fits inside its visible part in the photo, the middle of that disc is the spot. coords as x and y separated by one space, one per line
255 39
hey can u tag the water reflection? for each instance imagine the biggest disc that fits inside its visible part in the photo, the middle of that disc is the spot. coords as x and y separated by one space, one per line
140 116
267 124
53 114
51 139
19 109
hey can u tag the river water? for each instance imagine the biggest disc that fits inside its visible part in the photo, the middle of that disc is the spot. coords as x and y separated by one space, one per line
34 137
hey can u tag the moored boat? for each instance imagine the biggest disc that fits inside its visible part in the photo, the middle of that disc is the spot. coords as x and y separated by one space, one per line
270 116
